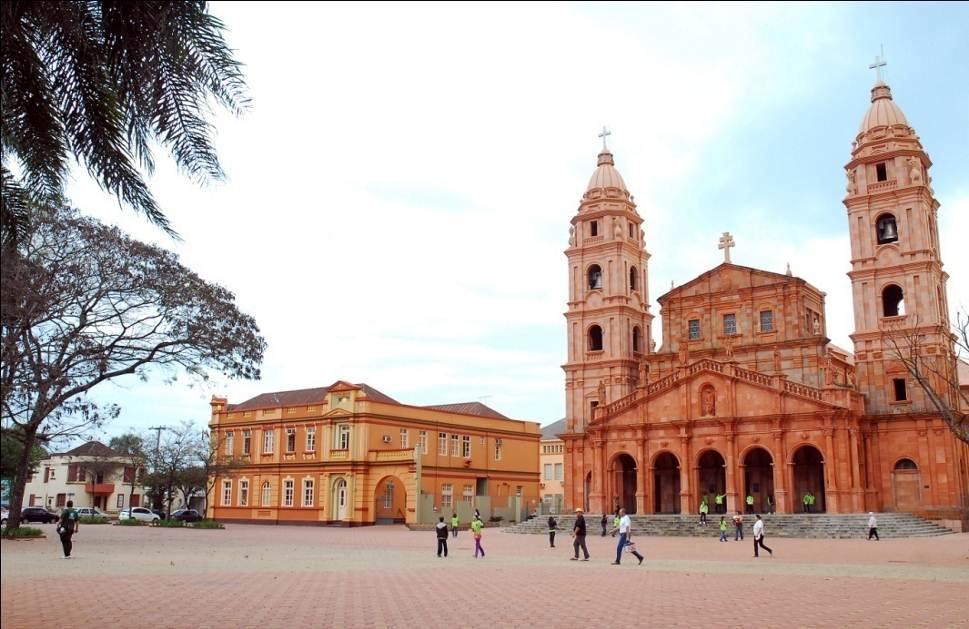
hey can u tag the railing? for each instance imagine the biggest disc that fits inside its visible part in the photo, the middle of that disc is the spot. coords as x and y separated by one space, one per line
882 186
663 384
706 363
802 389
339 455
406 454
752 376
99 488
591 240
620 404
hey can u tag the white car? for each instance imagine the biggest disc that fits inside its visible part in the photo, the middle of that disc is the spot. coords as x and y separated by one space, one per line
138 513
3 517
91 512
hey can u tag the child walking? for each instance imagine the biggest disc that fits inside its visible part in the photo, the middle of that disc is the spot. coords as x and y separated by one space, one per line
476 526
723 529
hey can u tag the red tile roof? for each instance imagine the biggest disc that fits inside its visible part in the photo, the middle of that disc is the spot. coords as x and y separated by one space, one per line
91 448
304 397
468 408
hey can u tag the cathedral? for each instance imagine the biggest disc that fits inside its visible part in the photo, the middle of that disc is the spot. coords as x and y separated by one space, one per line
747 398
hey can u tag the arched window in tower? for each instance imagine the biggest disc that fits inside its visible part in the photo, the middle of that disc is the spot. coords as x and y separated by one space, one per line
906 464
637 340
595 277
893 301
633 279
886 229
595 339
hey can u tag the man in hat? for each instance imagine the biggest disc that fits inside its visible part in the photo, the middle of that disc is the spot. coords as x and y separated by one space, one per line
578 535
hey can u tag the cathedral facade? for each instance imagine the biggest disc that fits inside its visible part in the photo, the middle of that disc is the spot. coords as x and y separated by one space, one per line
746 397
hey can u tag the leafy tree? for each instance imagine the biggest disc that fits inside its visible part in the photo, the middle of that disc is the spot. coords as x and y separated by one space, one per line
100 81
131 448
94 305
11 452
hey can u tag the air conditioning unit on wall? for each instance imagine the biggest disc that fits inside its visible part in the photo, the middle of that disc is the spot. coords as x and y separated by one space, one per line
386 438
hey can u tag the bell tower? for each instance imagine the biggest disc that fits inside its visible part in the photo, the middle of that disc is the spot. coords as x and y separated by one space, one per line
898 284
608 319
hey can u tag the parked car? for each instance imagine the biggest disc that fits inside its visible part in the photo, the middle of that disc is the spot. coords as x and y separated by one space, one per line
3 516
139 513
91 512
187 515
37 514
160 513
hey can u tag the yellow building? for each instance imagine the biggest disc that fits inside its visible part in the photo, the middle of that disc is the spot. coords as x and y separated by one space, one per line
348 454
552 461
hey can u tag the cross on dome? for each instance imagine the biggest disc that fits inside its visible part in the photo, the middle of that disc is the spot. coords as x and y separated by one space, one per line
726 242
605 133
879 64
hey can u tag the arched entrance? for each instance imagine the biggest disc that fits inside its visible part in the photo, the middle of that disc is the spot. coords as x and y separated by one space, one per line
808 477
390 500
711 479
341 500
759 479
624 482
666 484
588 490
906 485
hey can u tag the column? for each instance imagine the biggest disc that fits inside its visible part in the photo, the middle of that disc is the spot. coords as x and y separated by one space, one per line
856 493
731 473
830 473
781 486
641 466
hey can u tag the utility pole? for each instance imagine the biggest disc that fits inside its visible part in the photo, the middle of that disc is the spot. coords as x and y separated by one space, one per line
157 430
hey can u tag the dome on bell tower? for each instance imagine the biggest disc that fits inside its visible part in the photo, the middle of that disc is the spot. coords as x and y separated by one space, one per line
883 111
606 175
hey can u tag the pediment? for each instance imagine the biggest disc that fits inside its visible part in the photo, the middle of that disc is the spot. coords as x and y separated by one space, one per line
337 413
729 276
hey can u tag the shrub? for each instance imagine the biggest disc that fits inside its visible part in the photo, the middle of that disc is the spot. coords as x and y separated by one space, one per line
171 524
23 531
92 519
130 522
209 524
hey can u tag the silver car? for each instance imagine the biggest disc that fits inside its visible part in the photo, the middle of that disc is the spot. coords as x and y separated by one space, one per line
138 513
91 512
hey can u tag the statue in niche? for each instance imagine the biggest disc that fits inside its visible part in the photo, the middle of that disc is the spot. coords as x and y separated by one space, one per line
643 373
616 228
571 236
708 401
914 170
777 360
728 349
851 377
817 324
601 392
851 187
652 346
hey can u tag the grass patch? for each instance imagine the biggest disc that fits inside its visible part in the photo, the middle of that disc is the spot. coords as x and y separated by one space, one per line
23 531
170 524
130 522
208 524
93 519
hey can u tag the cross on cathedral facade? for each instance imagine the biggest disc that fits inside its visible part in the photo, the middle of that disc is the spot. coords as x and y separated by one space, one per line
726 242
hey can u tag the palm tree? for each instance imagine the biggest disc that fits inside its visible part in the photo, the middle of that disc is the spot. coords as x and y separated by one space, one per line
100 81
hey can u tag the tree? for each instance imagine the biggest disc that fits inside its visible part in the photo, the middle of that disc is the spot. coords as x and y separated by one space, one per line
937 373
214 462
94 305
100 81
11 451
96 469
131 448
174 456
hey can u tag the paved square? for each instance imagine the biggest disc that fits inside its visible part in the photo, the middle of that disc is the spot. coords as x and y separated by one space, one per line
387 576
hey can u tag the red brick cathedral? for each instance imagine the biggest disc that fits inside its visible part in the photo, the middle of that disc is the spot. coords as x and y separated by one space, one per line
747 395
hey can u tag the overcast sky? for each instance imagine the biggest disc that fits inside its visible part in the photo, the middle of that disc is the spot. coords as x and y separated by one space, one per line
398 198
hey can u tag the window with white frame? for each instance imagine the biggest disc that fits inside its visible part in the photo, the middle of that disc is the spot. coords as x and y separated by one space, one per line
404 438
548 472
766 320
497 449
288 493
343 437
121 501
290 440
422 441
243 493
267 494
307 492
229 442
442 443
466 446
468 495
447 496
226 493
268 441
455 445
559 469
246 441
311 439
389 496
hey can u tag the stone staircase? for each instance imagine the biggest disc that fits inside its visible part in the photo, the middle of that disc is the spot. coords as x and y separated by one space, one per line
805 525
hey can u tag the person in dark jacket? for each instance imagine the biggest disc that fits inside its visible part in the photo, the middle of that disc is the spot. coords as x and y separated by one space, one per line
551 531
578 533
442 533
604 522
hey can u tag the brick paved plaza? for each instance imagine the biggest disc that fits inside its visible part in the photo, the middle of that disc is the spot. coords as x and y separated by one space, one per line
387 576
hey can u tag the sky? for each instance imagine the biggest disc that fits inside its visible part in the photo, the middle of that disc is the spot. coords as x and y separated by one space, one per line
398 197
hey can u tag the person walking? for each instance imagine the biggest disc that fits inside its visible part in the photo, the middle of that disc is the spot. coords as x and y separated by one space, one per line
759 537
441 530
578 535
605 524
738 524
719 498
625 537
67 527
551 531
750 503
807 502
872 526
615 522
476 526
723 529
455 524
703 512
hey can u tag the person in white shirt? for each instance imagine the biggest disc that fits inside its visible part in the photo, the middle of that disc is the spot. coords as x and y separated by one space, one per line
872 526
625 534
759 537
